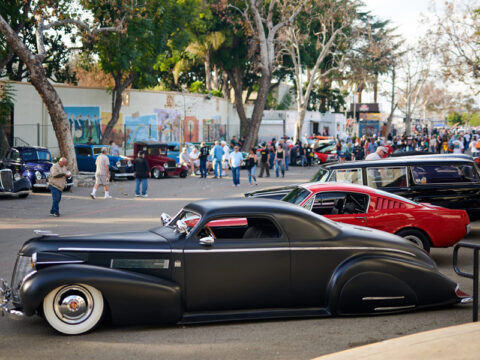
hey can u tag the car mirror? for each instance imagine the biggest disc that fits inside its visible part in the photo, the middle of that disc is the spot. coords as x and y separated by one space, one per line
165 219
207 241
182 227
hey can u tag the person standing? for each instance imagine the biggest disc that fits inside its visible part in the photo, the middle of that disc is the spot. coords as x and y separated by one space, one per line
114 149
236 159
264 160
203 159
273 147
286 150
217 159
56 181
280 160
102 175
141 171
252 166
379 154
226 155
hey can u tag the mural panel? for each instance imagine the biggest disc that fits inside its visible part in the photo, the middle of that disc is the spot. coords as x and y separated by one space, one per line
117 134
168 125
190 129
140 127
213 130
84 123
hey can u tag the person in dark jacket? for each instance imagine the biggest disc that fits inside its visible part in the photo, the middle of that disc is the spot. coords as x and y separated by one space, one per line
141 170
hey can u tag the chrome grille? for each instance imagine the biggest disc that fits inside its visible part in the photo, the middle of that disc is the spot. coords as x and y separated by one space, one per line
6 179
172 164
123 162
22 269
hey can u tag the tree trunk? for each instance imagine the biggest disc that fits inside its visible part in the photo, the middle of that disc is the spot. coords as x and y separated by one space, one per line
47 92
393 105
4 143
116 105
302 110
252 131
235 77
208 73
408 125
375 89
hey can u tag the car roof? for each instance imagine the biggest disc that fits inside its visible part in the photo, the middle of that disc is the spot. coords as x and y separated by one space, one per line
335 186
30 147
404 160
150 142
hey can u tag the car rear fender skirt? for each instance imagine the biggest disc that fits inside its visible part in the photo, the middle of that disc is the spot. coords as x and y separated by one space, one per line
373 284
131 297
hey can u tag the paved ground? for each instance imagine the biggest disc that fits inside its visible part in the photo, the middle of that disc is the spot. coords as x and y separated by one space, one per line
293 339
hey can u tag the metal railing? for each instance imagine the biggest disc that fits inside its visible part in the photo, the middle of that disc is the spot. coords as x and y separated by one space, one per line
474 275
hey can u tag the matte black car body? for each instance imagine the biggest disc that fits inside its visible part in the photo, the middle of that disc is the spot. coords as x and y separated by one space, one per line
310 267
454 194
9 186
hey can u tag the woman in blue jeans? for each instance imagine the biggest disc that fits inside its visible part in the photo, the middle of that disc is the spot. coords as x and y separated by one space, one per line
252 166
280 161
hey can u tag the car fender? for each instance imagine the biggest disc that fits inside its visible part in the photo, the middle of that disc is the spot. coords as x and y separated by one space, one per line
159 167
131 297
376 284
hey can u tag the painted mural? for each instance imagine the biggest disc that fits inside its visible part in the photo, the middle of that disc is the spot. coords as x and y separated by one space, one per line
84 123
213 129
168 124
190 129
117 134
140 127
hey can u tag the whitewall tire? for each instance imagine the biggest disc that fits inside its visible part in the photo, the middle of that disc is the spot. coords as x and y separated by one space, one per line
73 309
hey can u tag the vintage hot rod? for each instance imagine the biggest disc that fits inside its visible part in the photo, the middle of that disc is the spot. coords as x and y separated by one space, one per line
226 259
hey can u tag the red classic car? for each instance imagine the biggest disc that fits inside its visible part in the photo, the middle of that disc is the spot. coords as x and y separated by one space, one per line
424 224
160 164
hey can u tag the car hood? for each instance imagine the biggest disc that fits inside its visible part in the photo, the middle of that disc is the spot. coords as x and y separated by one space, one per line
125 242
38 166
271 192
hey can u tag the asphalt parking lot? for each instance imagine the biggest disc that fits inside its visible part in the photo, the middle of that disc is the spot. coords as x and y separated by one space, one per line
280 339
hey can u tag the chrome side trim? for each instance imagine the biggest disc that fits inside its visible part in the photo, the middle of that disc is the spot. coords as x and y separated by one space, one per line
386 308
192 251
369 298
59 262
115 250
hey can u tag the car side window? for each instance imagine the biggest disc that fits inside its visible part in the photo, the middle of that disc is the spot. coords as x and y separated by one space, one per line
445 173
387 177
350 176
336 203
243 228
14 155
84 151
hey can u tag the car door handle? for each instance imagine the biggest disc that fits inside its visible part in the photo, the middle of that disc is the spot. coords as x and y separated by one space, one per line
363 218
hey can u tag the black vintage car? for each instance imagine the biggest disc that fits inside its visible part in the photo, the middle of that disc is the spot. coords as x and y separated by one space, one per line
224 260
11 186
451 181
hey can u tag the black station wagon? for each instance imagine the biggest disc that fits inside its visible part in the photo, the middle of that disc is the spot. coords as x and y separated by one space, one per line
451 181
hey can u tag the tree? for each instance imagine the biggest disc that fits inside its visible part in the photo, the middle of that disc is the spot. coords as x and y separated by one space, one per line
454 38
7 93
317 34
129 56
415 71
264 19
49 17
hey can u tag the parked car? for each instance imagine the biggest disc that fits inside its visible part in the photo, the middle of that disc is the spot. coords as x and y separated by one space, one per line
446 180
120 166
9 186
32 162
284 262
161 165
326 154
425 225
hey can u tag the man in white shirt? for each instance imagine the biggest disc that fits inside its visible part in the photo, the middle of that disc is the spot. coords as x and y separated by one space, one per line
226 155
235 160
378 154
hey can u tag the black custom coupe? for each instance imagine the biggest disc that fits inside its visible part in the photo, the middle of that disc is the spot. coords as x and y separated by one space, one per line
223 260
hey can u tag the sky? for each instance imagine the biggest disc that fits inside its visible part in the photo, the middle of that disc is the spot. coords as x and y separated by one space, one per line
404 14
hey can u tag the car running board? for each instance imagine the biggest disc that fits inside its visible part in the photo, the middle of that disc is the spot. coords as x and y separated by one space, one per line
242 315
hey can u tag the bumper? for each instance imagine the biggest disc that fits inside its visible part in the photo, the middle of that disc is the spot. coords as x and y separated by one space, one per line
5 294
123 175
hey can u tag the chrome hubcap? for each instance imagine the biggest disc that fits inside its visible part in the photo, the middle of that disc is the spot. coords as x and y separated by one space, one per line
417 241
73 304
156 173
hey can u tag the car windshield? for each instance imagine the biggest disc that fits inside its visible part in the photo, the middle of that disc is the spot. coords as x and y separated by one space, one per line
297 196
320 176
36 155
188 217
97 150
157 150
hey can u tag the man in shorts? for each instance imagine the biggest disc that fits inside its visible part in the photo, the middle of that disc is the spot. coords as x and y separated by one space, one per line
102 175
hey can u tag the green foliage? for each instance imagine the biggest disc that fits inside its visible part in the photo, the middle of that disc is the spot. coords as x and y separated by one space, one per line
217 93
198 87
7 98
470 118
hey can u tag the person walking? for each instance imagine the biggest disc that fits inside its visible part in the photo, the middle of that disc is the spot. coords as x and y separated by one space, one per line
236 159
264 160
102 174
203 159
217 159
56 181
141 171
252 166
280 160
